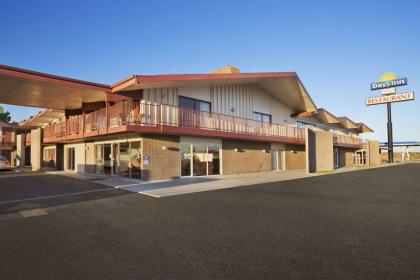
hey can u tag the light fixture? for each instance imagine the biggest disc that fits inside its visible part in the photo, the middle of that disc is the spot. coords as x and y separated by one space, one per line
163 147
236 150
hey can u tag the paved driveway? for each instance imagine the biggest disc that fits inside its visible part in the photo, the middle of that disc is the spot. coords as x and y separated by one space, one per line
355 225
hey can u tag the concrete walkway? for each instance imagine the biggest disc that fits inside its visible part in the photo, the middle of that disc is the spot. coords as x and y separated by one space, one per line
200 184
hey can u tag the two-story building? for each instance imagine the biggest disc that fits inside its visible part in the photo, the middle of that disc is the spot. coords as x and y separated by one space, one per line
168 126
8 133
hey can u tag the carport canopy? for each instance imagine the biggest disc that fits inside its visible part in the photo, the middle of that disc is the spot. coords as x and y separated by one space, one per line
43 118
29 88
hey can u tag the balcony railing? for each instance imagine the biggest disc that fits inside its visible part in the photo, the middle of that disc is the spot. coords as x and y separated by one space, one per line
140 115
7 140
344 140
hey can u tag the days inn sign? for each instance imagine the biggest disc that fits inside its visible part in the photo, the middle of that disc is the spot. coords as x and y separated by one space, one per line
387 85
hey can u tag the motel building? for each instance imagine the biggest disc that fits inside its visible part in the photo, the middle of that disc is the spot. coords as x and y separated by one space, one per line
154 127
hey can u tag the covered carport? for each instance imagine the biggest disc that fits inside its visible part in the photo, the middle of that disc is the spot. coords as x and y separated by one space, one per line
58 97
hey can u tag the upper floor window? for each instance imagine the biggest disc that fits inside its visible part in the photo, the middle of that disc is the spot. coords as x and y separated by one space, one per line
191 103
262 117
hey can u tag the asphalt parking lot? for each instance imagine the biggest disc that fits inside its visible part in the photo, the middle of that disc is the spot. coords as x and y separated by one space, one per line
355 225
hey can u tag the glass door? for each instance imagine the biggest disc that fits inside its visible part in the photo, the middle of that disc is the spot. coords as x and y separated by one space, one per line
107 159
124 157
99 159
199 160
274 159
186 160
135 160
70 159
115 159
213 160
277 159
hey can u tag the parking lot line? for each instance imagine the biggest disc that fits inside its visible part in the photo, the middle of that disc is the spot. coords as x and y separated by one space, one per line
53 196
33 213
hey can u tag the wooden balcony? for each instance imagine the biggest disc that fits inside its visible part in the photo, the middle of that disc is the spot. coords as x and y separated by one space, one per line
131 116
347 141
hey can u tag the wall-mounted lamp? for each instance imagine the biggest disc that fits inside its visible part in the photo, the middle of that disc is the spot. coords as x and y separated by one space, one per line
163 147
236 150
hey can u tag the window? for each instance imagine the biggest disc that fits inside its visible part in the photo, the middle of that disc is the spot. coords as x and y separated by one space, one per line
262 117
191 103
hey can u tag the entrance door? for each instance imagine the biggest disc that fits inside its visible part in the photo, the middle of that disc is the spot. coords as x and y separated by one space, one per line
277 159
71 159
336 158
124 157
186 160
107 159
115 159
199 160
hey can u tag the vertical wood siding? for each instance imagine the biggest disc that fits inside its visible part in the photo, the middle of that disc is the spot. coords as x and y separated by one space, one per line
235 100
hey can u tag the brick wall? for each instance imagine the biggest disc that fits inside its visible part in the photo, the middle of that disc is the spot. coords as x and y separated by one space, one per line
249 157
295 157
163 163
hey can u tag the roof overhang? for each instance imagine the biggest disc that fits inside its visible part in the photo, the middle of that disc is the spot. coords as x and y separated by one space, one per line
35 89
363 128
284 86
326 117
320 114
347 123
43 118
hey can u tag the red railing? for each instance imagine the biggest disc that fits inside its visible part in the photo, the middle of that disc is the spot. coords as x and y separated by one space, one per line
7 139
95 121
347 140
145 114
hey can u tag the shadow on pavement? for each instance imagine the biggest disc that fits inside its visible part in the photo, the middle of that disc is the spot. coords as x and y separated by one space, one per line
29 192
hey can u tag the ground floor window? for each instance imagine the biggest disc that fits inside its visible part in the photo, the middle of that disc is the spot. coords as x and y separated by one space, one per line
123 159
200 159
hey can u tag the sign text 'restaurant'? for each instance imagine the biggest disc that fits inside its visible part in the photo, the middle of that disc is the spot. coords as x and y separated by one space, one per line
406 96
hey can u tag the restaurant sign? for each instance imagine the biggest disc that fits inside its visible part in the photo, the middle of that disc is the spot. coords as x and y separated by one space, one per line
405 96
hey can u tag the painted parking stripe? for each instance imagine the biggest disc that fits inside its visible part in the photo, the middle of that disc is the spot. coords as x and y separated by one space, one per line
148 194
129 185
53 196
33 213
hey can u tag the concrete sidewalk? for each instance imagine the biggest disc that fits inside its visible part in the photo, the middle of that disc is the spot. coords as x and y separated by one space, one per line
201 184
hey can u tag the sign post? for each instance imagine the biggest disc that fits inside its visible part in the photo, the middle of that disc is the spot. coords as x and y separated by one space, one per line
387 85
390 136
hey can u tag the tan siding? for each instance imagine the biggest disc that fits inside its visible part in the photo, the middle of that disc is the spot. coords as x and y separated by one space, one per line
295 157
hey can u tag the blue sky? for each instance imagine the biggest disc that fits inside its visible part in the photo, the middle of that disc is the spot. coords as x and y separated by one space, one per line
338 48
